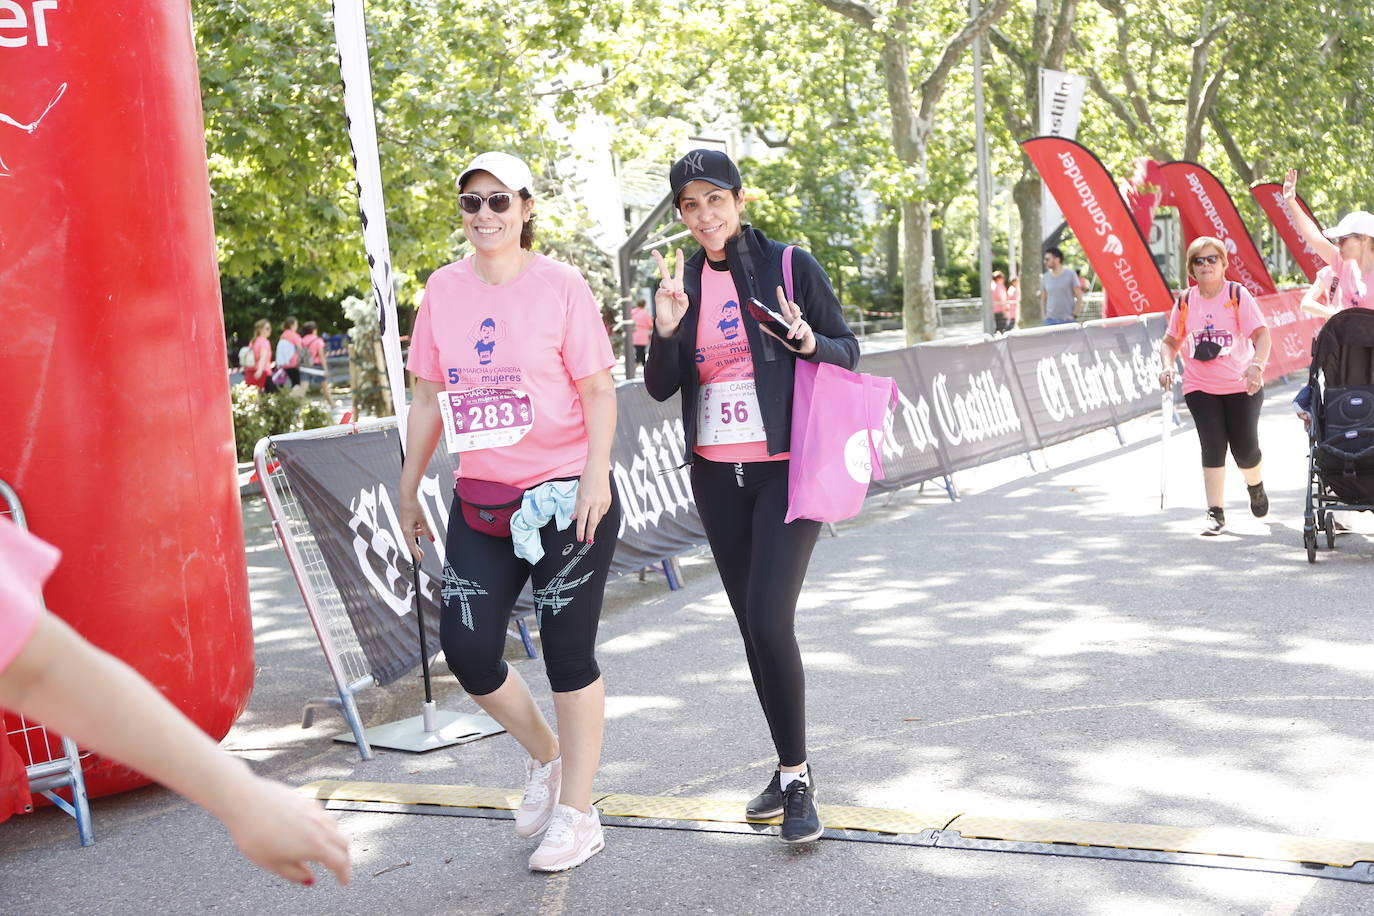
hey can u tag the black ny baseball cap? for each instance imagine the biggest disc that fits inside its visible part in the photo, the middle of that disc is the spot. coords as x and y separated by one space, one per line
703 165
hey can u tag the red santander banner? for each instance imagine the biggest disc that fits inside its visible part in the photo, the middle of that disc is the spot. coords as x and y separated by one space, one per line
1206 209
1099 219
1269 195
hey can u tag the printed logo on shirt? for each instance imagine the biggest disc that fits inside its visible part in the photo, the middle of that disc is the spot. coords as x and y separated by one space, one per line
485 337
729 320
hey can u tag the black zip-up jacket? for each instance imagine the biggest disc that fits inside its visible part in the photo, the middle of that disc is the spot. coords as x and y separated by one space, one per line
756 267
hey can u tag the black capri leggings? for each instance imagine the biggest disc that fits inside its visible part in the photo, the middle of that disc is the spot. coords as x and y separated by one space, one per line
762 563
483 579
1227 419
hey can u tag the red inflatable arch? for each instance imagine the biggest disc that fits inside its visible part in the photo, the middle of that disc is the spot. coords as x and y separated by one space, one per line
114 402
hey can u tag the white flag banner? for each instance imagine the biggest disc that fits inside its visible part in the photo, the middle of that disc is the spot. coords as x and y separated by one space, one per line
1061 103
350 31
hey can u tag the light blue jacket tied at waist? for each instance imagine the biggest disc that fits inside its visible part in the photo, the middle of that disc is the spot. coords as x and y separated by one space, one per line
553 500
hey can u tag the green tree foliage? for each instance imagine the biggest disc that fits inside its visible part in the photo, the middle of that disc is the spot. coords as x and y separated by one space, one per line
856 111
448 82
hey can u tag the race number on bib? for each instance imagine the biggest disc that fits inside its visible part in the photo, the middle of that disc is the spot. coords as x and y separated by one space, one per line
485 417
728 412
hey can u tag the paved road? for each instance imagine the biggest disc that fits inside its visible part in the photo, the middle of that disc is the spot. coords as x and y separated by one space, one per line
1053 645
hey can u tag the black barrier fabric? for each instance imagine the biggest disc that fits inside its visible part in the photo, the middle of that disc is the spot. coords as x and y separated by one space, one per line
912 452
1129 362
958 406
647 461
974 399
1062 380
347 487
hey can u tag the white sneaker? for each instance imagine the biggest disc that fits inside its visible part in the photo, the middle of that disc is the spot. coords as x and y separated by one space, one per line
573 838
542 783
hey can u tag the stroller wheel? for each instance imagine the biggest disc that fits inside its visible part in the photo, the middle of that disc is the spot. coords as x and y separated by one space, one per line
1309 540
1330 526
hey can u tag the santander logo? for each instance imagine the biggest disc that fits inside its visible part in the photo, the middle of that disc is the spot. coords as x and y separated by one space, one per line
1113 245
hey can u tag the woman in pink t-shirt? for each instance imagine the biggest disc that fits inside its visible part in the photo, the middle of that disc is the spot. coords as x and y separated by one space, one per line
512 368
1348 247
259 373
643 324
1219 331
999 302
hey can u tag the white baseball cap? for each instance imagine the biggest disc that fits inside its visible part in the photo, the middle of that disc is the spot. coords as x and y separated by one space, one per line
507 169
1356 222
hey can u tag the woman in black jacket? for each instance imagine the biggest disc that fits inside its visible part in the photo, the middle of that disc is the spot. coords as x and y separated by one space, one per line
735 376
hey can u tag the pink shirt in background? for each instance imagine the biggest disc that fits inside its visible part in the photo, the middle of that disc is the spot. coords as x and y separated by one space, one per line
1212 320
1013 300
999 297
294 339
1356 289
251 374
539 333
25 564
644 324
724 355
314 345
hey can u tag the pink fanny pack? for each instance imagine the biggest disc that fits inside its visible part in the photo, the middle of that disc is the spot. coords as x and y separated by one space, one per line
488 506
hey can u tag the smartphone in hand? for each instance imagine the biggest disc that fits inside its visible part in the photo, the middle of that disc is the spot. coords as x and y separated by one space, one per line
769 319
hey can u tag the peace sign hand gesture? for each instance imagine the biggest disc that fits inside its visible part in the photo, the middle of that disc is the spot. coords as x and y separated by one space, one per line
670 301
1290 185
799 338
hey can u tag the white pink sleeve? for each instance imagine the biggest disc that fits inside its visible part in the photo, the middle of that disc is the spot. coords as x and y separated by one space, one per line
586 346
423 359
1250 315
1172 330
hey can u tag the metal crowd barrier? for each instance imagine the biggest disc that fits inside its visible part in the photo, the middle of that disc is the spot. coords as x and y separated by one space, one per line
50 764
342 652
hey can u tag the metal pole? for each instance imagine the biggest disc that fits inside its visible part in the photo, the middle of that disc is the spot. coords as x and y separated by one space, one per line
984 182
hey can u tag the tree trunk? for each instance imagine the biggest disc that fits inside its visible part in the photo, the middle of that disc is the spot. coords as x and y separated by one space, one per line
938 253
918 287
1026 193
910 140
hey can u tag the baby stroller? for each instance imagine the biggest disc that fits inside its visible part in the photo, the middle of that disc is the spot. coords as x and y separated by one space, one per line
1340 457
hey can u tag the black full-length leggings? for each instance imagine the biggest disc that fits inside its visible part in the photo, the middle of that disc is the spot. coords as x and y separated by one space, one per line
762 563
1227 419
482 580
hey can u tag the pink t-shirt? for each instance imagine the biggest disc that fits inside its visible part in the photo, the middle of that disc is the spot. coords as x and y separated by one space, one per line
314 345
294 339
999 297
260 346
1356 289
644 324
25 564
723 355
1217 328
1320 290
539 334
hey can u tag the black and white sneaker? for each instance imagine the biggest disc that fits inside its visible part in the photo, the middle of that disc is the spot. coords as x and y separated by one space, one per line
1259 500
801 822
767 803
1215 523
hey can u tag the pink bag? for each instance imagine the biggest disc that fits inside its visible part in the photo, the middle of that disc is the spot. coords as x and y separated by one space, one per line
838 420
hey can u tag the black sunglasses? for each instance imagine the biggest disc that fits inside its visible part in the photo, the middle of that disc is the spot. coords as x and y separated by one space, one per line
499 202
1206 259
